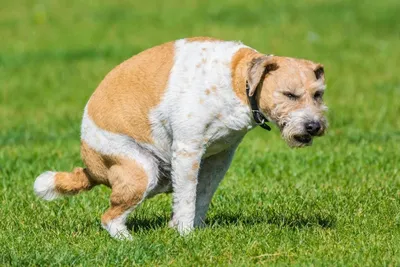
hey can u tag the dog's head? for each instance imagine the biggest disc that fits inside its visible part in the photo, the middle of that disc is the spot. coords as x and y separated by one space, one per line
290 93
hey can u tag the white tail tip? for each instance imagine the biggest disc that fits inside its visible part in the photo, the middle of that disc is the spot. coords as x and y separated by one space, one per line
45 186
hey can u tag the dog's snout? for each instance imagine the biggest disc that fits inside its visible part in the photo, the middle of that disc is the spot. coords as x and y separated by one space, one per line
313 127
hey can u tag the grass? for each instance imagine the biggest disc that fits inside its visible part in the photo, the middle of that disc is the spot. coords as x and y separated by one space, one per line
336 203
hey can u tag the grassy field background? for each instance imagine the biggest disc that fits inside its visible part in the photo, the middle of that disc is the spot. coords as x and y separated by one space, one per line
336 203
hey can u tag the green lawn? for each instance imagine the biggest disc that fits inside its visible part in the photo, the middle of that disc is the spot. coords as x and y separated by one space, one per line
335 203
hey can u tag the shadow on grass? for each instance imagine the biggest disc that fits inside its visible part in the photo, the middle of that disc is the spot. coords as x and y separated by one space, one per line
146 224
291 220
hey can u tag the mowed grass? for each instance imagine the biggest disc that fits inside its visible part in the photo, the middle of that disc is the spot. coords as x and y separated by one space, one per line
335 203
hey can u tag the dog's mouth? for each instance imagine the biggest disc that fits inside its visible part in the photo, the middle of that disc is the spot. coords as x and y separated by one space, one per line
304 139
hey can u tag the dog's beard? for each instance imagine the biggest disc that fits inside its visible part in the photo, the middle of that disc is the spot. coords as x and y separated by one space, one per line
293 127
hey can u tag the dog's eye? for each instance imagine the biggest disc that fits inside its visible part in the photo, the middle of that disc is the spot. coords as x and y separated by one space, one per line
291 96
318 95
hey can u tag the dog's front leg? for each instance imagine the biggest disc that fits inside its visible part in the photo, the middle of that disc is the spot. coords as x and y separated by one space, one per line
185 168
212 171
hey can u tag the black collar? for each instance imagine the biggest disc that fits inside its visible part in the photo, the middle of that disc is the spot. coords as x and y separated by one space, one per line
259 118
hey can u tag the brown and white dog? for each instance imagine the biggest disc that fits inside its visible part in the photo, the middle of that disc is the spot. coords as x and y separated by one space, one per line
171 118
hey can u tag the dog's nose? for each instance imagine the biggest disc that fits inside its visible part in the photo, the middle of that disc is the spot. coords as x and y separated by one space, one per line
313 127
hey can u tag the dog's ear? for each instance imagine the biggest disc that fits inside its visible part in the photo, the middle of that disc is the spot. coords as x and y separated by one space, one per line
258 68
319 71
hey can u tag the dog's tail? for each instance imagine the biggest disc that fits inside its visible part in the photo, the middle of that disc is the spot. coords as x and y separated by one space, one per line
51 185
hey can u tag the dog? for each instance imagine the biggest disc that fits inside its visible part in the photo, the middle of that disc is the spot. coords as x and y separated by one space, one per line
170 118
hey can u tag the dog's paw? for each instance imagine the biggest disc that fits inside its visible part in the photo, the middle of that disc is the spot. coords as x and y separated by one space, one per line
118 231
184 229
173 223
123 235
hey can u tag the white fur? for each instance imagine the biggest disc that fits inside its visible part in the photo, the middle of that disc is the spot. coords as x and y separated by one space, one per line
213 170
187 85
117 227
199 90
44 186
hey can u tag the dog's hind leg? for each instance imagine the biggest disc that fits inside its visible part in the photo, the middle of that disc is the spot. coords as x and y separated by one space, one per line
129 182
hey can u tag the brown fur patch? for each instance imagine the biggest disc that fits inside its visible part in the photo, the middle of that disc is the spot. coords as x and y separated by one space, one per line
192 177
258 68
239 68
123 100
285 74
202 39
129 183
73 182
195 166
186 154
295 76
97 164
126 177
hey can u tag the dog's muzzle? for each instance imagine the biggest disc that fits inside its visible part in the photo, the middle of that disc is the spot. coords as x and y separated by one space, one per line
301 127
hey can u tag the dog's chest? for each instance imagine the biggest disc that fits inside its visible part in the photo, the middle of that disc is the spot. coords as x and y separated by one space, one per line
200 104
223 141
